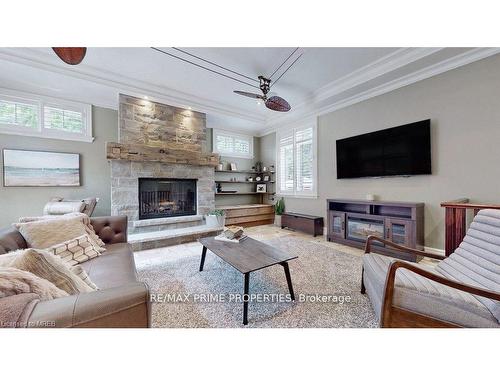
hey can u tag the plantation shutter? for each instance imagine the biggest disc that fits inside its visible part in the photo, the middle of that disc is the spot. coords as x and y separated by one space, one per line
63 119
304 160
233 144
297 161
241 146
224 143
18 113
286 163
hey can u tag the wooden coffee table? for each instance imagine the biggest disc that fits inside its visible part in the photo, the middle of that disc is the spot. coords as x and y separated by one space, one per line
248 256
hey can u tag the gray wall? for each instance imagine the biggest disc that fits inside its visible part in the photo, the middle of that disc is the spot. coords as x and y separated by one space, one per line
463 105
94 169
268 157
268 149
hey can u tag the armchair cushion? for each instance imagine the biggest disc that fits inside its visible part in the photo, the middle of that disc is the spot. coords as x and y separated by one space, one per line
477 260
421 295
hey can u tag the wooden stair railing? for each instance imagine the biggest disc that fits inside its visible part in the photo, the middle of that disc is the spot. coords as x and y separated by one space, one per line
455 221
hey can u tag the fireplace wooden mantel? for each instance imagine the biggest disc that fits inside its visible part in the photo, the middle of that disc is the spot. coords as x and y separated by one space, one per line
134 152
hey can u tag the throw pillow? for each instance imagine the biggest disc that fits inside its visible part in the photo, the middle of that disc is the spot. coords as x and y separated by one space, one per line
77 250
46 233
82 274
15 281
61 208
52 268
83 217
90 229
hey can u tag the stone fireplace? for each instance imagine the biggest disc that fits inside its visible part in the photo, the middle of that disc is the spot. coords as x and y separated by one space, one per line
162 177
125 187
166 197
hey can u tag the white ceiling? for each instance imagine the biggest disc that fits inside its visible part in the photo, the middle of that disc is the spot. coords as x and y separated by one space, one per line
322 80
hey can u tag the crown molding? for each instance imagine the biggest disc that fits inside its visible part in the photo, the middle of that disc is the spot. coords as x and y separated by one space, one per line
126 85
386 64
419 75
377 68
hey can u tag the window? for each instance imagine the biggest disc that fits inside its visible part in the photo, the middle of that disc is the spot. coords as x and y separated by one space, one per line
232 144
18 114
297 163
34 115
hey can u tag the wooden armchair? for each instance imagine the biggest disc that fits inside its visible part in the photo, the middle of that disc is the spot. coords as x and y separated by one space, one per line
449 295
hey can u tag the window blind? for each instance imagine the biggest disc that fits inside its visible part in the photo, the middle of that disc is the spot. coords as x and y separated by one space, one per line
286 163
224 143
304 159
18 114
296 158
231 144
63 119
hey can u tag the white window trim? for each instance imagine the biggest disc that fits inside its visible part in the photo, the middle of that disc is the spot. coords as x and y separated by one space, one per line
40 131
298 194
217 132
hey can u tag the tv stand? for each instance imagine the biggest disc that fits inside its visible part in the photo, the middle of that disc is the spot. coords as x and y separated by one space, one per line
350 222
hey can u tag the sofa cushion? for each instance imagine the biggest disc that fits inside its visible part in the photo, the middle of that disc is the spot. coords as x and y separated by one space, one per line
421 295
477 260
113 268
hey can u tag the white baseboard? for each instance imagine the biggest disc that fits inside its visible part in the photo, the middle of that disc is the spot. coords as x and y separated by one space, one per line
434 250
428 249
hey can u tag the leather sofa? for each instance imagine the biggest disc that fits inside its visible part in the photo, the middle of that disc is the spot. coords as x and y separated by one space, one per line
122 300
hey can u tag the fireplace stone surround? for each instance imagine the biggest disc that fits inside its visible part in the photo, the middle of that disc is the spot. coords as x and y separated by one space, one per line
157 140
125 191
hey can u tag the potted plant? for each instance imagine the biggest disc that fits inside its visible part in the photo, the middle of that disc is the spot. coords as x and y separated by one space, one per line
279 208
216 218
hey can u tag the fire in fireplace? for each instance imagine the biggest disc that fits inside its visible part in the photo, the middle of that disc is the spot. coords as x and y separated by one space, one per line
166 197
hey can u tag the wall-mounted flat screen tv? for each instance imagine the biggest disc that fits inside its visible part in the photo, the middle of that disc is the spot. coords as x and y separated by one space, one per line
401 151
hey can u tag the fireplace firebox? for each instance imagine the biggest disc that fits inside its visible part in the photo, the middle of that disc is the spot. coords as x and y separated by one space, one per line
166 197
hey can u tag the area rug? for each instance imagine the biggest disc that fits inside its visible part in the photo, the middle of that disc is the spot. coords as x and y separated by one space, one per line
326 282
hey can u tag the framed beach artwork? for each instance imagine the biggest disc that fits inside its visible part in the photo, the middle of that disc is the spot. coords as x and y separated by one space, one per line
40 168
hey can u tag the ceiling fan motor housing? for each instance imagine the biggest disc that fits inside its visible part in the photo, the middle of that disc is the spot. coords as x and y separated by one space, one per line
264 84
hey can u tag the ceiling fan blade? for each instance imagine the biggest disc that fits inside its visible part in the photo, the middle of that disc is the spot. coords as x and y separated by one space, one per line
249 94
277 103
71 55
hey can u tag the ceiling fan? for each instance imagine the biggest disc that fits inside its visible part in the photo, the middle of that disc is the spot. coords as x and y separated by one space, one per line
275 103
70 55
